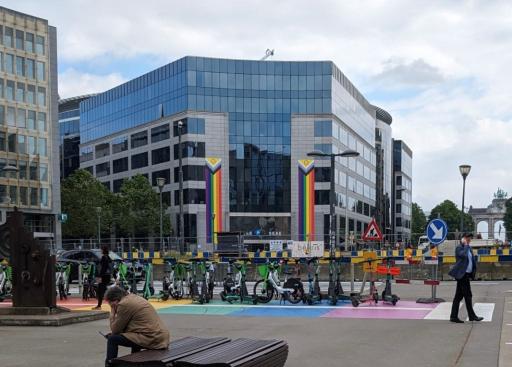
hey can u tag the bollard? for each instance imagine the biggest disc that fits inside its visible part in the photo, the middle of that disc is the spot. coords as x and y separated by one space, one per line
352 277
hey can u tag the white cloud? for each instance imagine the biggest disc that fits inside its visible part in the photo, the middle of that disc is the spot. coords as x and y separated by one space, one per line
74 83
456 55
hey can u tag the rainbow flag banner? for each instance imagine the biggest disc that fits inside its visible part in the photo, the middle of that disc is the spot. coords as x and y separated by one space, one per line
306 200
213 178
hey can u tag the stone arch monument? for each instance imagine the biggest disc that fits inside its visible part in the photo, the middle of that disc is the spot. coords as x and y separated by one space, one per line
492 214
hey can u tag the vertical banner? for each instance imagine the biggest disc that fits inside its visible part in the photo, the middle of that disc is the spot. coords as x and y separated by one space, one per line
213 179
306 200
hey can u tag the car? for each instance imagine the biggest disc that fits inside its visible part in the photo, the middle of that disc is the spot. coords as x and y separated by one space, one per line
77 257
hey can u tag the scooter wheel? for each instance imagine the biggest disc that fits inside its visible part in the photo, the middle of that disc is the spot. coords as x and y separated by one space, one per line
394 300
222 296
355 301
165 296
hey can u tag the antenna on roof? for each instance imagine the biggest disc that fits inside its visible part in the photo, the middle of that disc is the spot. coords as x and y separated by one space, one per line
268 53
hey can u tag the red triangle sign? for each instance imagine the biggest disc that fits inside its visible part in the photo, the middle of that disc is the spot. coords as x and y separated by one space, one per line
372 232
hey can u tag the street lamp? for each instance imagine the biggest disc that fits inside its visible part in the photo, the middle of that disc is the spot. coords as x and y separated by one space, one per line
180 157
160 181
332 197
98 212
464 171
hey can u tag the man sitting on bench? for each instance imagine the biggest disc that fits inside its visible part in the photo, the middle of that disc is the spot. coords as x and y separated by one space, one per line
134 323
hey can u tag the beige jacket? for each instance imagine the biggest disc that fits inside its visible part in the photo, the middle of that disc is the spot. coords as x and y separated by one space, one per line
138 321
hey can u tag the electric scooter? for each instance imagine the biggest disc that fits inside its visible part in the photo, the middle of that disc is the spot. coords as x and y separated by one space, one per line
62 279
389 271
313 296
5 282
335 291
198 285
88 280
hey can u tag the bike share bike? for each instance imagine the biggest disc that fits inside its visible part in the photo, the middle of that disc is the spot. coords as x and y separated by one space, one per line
62 279
89 287
313 296
235 290
5 282
121 276
198 283
264 289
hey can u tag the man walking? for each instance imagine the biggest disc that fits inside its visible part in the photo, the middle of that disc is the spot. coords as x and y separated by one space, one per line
464 270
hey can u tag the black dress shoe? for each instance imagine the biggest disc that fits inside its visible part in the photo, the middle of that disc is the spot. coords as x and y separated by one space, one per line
456 320
476 318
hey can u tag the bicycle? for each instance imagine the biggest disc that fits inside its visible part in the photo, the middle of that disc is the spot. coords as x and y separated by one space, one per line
62 279
88 280
5 282
264 289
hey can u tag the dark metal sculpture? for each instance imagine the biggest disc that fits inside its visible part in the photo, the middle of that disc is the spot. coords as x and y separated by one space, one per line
33 266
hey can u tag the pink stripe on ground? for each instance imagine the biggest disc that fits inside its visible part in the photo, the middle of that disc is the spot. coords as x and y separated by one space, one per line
375 313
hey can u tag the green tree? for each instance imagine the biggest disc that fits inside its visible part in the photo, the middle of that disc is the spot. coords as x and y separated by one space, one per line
449 212
81 194
508 219
418 222
139 209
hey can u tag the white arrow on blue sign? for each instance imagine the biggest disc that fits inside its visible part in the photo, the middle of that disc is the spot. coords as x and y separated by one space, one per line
437 230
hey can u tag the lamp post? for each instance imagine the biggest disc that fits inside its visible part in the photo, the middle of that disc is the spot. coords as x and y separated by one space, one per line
160 181
332 195
98 212
8 169
464 171
180 173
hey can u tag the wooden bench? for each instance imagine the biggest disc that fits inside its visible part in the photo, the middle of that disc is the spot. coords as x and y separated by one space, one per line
211 352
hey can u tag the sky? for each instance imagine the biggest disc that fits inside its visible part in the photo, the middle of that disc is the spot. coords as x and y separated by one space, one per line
441 68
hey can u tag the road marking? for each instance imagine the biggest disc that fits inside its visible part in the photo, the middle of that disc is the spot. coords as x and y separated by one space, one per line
508 343
484 310
441 312
309 307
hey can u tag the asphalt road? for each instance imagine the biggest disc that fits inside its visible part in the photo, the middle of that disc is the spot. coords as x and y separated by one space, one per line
312 341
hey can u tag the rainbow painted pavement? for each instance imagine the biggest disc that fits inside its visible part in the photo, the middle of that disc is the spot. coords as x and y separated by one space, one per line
404 310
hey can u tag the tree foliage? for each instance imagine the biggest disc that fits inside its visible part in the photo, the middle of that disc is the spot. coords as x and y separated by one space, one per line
139 208
448 211
508 219
418 222
81 194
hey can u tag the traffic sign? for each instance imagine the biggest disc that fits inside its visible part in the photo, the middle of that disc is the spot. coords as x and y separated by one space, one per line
372 232
437 230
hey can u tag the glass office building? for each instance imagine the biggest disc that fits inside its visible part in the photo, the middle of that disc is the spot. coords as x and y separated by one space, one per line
260 118
28 121
69 130
402 189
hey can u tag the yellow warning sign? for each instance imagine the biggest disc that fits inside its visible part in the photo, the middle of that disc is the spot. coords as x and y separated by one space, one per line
370 261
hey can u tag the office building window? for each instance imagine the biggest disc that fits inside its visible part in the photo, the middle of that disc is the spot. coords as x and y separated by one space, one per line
165 174
34 174
2 141
41 147
190 196
139 139
139 160
43 172
20 66
9 90
89 169
20 92
23 172
160 133
324 148
103 169
120 165
29 42
31 120
11 142
323 174
190 149
41 96
31 94
20 40
323 128
398 208
102 150
190 173
21 118
119 144
23 195
9 63
117 184
161 155
32 146
41 75
22 144
322 197
8 37
33 196
191 125
40 45
29 67
2 115
86 154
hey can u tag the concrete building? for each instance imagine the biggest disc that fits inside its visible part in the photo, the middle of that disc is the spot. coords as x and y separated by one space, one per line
259 118
29 132
69 128
402 190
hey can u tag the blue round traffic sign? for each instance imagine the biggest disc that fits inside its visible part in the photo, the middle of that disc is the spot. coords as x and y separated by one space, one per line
437 230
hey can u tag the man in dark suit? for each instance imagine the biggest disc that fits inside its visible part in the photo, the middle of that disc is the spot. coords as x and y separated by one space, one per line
464 270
